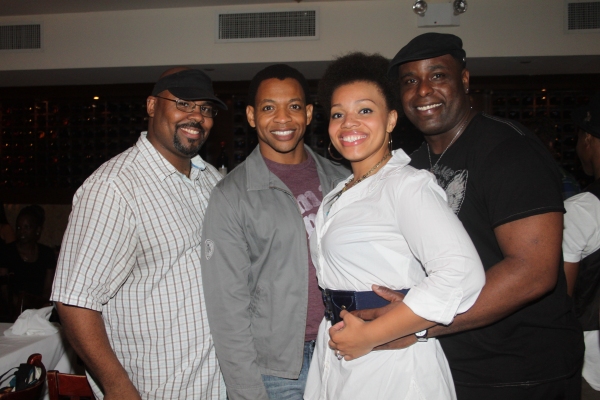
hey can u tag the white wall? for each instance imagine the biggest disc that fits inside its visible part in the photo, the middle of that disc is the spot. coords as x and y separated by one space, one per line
490 28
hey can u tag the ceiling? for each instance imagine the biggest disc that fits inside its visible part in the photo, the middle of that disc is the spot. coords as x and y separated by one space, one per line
32 7
230 72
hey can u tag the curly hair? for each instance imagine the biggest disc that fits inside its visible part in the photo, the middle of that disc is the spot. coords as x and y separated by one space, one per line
281 72
358 67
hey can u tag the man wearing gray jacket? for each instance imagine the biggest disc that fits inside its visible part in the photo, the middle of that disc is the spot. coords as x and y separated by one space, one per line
262 297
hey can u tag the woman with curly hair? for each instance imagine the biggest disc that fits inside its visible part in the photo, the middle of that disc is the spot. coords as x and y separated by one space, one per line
388 224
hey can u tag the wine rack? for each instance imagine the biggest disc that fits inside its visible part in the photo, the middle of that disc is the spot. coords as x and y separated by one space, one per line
53 138
244 137
317 134
553 106
58 143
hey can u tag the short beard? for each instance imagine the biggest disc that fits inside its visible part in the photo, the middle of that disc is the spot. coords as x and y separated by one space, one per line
194 145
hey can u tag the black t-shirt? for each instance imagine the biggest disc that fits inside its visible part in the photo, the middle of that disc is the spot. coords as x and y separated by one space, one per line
29 276
497 172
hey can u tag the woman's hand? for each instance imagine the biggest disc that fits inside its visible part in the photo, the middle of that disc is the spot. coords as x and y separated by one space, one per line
354 337
349 338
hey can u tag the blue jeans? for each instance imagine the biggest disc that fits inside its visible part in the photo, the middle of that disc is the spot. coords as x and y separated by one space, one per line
290 389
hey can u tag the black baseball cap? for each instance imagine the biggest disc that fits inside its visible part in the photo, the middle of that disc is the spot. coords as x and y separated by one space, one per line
189 84
427 45
588 117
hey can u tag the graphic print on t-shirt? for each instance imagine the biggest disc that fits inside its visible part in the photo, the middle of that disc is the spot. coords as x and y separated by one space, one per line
309 202
454 184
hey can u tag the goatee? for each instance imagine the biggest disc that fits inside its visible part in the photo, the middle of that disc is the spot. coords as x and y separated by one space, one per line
193 145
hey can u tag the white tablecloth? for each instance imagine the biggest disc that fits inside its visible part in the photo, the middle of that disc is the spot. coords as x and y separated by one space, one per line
55 350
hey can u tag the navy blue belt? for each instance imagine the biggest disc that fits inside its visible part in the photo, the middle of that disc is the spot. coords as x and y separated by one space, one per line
337 300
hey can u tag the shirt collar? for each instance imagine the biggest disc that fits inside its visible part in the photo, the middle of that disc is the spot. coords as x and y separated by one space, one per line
159 164
258 175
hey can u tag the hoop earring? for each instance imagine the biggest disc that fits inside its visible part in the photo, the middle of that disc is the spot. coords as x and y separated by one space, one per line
331 154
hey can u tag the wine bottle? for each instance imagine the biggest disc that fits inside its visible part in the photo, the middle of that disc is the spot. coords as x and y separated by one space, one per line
222 161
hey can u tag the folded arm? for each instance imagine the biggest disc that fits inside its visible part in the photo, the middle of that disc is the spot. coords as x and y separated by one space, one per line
454 272
531 248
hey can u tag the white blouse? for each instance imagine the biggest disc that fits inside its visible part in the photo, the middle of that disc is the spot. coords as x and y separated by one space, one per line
393 229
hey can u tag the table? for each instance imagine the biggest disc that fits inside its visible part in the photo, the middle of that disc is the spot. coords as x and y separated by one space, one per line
55 350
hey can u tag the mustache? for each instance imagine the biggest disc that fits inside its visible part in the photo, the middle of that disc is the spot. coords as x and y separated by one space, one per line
195 125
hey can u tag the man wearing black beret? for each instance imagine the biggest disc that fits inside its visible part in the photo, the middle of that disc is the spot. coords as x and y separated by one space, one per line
521 339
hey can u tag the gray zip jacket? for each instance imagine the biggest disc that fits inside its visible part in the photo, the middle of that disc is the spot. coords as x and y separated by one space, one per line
255 274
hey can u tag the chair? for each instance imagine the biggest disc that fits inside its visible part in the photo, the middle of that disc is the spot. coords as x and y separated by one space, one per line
67 386
34 392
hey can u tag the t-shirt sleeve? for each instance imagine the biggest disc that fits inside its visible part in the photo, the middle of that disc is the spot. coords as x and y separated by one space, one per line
519 181
581 235
98 249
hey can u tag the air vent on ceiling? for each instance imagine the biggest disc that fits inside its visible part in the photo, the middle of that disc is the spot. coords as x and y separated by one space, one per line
582 16
267 26
20 37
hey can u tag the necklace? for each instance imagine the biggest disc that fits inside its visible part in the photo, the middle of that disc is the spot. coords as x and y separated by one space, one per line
354 183
458 132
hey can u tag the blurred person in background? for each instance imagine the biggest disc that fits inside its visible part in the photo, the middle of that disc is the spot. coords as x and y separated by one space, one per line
31 264
581 245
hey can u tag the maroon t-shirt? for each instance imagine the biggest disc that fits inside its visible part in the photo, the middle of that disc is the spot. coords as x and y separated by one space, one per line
303 181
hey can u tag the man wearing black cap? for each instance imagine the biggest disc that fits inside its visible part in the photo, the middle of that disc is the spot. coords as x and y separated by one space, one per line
520 340
581 244
128 284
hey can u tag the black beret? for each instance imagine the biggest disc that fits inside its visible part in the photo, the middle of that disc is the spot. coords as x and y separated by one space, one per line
427 45
588 117
189 84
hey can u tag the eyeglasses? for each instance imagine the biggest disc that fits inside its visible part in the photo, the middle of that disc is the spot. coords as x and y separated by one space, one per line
206 110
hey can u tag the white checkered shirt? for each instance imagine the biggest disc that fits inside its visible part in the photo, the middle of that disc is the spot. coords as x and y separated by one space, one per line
132 252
